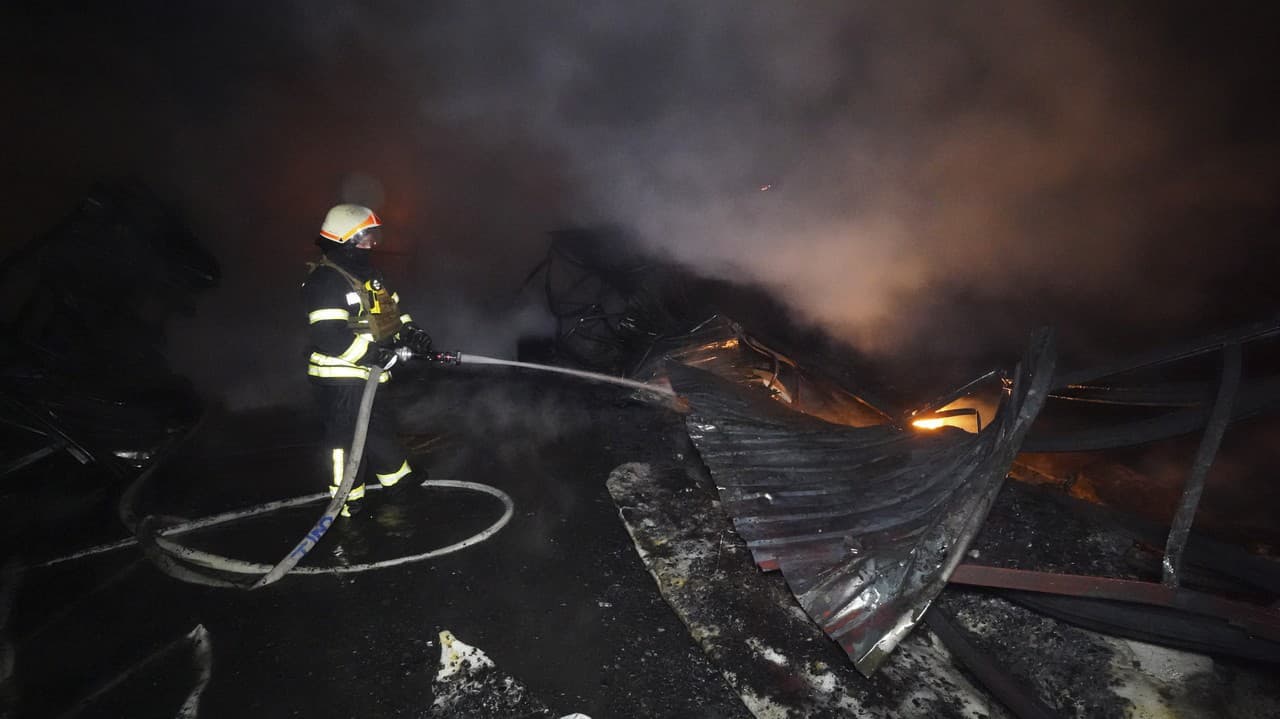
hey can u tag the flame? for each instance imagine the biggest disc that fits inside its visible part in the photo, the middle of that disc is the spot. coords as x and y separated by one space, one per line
968 422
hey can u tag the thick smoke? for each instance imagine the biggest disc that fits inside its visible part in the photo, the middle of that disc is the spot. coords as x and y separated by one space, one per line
914 177
922 179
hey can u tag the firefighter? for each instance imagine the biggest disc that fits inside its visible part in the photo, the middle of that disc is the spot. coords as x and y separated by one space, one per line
355 322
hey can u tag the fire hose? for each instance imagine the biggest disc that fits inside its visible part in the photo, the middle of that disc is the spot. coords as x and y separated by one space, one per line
189 564
311 538
169 555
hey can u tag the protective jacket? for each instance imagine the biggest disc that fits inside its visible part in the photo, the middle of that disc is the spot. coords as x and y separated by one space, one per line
350 312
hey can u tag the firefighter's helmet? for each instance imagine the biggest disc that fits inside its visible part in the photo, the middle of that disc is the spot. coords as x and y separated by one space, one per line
344 222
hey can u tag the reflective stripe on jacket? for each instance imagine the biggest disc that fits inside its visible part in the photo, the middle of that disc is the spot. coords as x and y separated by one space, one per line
342 345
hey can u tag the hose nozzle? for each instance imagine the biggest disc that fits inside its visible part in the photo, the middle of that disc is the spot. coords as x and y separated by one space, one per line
447 359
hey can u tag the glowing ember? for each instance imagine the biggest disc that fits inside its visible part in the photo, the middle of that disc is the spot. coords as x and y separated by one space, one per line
933 423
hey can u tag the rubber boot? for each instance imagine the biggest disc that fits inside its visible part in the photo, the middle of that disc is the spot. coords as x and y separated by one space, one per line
351 508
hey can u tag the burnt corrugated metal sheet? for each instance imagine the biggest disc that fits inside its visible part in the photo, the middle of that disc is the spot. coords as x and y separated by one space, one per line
724 348
865 523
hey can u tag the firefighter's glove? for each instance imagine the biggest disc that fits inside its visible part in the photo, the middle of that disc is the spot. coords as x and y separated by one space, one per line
387 358
446 359
415 338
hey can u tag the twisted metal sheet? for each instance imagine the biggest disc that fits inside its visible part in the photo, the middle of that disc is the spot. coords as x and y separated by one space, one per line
865 523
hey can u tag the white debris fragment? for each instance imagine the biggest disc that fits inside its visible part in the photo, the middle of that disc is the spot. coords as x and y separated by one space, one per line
469 684
763 707
457 656
766 652
821 680
202 652
1157 680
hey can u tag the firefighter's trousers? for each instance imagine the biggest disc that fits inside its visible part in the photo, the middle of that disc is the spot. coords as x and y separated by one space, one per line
383 453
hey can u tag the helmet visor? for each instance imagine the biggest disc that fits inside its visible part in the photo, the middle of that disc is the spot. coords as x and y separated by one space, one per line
367 239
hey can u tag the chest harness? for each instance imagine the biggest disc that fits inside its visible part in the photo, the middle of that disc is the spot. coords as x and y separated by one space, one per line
379 315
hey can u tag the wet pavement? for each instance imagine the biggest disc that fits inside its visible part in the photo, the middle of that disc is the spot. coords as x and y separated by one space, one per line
557 599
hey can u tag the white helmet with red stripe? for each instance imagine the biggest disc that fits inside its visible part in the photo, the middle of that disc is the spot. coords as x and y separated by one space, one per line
344 222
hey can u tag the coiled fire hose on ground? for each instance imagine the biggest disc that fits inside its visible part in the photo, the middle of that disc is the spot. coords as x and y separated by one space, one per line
170 555
200 567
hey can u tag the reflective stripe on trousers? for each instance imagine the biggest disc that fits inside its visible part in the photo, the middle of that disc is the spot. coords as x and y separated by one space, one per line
388 480
339 464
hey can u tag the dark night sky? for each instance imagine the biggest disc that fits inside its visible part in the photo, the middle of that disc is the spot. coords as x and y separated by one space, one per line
944 176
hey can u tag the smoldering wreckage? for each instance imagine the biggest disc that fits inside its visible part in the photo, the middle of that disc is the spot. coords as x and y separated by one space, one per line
834 549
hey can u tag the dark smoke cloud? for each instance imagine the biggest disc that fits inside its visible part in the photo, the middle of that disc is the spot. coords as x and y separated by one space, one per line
937 174
941 177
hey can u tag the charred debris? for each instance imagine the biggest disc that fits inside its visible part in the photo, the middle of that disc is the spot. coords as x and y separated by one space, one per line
882 512
86 391
884 521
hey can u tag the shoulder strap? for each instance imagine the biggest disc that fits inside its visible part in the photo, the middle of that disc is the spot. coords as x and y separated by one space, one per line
356 284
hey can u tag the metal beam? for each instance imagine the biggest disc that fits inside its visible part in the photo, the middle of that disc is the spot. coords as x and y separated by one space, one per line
1219 418
1203 345
1260 621
33 457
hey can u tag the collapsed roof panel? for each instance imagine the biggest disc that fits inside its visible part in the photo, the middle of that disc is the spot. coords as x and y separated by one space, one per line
865 523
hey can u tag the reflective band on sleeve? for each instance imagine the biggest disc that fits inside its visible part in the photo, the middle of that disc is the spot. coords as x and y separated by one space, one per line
395 297
326 360
387 480
359 346
328 314
353 298
405 319
344 373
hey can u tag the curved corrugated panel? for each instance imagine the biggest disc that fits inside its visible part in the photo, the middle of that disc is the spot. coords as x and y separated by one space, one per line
865 523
